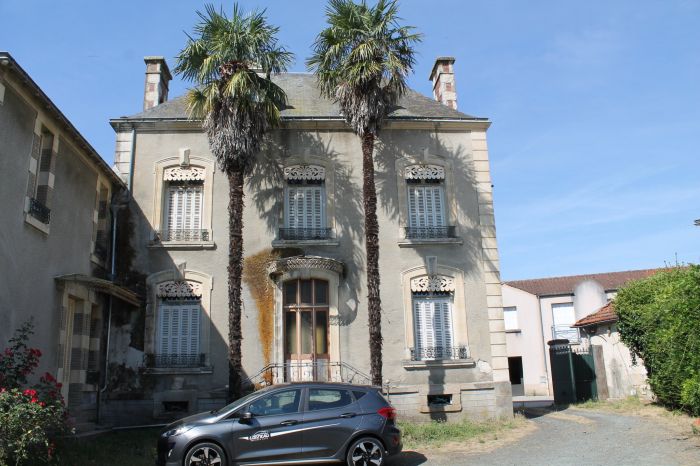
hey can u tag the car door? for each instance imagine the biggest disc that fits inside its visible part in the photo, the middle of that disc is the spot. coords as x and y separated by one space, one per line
331 417
272 432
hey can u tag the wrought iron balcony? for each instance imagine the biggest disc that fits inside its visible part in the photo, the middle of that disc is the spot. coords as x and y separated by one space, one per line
174 360
182 235
428 353
39 211
561 332
430 232
304 233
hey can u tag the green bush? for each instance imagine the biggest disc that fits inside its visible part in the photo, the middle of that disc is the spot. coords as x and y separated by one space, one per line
660 322
30 417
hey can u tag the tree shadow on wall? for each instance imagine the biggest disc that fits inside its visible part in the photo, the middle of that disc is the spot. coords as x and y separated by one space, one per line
267 184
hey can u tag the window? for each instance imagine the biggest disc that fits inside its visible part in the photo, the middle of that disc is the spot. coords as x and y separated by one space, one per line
285 402
178 334
183 217
305 203
42 188
427 216
322 398
563 317
432 320
510 318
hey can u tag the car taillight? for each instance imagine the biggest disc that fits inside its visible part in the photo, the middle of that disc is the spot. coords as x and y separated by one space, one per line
387 412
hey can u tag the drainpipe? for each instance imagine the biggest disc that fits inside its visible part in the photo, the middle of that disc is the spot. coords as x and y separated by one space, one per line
115 207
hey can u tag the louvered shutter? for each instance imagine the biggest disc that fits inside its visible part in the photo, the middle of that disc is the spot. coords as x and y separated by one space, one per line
433 326
184 209
426 206
306 207
179 329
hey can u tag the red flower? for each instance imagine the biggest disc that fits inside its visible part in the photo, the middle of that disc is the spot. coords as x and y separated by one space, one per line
42 404
49 378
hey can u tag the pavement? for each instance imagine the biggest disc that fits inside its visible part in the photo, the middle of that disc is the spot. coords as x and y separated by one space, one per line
578 437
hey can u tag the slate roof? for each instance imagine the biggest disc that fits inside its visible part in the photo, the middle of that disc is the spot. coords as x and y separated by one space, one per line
565 285
305 101
603 315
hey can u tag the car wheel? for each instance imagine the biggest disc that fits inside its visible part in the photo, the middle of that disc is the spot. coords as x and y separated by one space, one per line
366 451
205 454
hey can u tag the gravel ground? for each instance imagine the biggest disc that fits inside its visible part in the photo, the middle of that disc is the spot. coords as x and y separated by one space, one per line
579 437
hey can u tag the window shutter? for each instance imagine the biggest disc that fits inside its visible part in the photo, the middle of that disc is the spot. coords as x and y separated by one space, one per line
174 330
164 347
194 330
438 206
306 207
412 206
318 202
432 319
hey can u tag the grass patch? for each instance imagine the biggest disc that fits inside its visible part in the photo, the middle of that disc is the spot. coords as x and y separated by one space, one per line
629 404
435 434
129 447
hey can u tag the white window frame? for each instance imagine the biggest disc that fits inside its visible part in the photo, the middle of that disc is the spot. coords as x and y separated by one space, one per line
431 336
510 318
172 345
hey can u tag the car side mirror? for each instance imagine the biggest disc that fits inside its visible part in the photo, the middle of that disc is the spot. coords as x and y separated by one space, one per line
246 417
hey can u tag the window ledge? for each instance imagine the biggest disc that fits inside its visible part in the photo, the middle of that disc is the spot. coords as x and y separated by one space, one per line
284 243
42 227
438 364
410 243
179 370
182 245
513 330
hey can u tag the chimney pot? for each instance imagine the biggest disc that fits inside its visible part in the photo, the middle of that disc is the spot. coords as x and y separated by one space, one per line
443 78
157 81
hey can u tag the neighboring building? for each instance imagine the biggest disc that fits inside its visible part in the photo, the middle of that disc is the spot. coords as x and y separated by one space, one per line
618 374
544 309
304 312
55 230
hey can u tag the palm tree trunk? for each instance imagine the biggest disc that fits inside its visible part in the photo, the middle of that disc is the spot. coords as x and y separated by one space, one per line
374 304
235 271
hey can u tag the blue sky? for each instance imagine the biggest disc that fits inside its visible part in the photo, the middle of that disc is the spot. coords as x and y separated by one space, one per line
595 106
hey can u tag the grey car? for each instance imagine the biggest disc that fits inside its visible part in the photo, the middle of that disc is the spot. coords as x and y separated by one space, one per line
298 423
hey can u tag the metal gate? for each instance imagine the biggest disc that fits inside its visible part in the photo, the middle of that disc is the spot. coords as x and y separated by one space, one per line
573 372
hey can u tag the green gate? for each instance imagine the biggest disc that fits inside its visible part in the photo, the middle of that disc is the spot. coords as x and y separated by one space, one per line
573 372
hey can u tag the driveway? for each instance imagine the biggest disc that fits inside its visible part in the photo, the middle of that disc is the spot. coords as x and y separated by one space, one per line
578 437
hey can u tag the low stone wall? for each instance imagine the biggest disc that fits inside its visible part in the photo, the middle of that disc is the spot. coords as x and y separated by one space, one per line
122 413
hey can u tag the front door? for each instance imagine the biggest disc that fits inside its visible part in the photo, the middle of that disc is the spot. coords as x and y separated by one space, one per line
306 350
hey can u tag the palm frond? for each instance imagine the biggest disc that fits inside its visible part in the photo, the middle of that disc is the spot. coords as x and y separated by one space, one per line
362 59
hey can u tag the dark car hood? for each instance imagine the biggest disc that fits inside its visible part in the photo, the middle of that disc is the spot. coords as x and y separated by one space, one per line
201 418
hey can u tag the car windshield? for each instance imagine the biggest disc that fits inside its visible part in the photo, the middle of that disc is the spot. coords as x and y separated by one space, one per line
238 402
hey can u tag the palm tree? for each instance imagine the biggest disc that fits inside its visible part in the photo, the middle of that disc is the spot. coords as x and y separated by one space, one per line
361 60
230 61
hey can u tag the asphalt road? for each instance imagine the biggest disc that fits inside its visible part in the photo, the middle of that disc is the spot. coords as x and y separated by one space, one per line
581 437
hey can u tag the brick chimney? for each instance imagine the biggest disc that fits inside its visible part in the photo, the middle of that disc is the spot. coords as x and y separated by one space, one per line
443 78
157 78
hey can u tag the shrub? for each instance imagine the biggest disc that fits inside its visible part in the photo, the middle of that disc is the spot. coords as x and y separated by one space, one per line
30 416
660 322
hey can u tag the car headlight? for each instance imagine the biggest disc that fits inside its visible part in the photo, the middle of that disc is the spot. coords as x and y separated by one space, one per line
177 430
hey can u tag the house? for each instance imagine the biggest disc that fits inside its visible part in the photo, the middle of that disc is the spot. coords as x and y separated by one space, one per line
540 310
304 310
618 374
55 230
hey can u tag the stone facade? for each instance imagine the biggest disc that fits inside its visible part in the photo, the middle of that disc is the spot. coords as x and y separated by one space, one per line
315 150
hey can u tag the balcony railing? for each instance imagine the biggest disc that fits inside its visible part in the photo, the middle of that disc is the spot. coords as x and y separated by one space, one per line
306 371
182 235
39 211
560 332
431 353
430 232
304 233
174 360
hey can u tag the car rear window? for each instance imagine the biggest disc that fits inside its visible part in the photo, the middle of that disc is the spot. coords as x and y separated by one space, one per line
327 398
